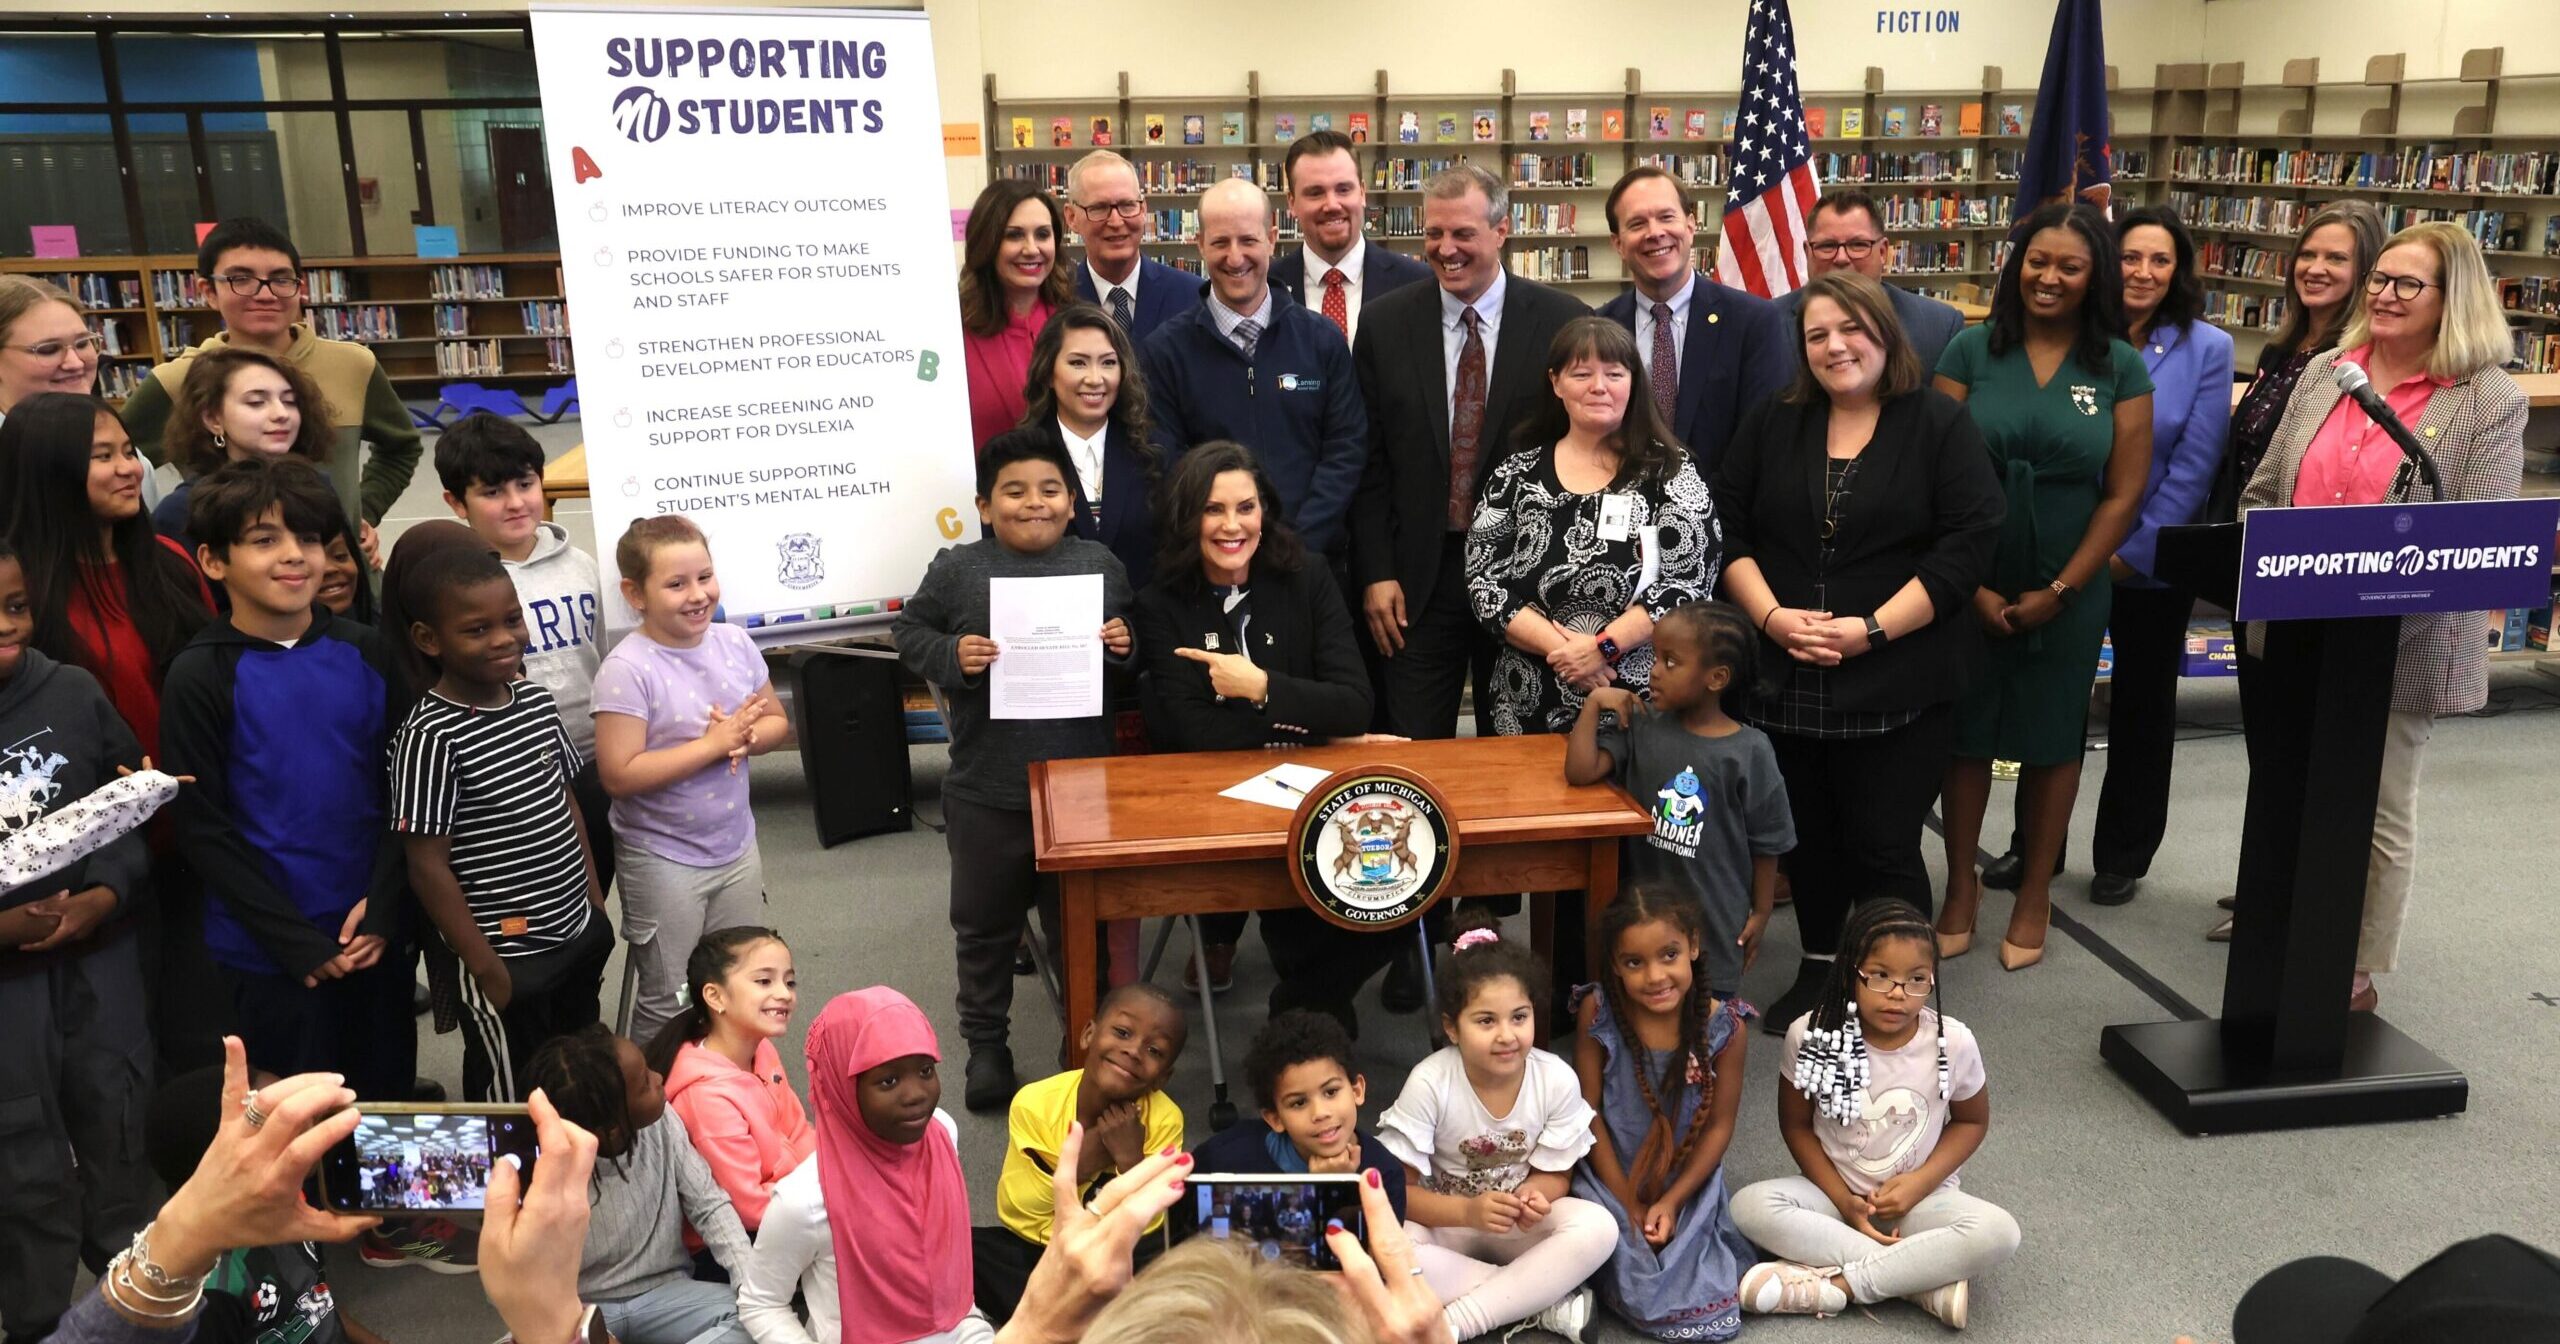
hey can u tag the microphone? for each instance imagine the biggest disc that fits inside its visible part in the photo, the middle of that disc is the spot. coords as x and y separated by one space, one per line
2352 381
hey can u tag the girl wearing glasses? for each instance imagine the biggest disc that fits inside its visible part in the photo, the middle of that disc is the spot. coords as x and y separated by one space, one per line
45 343
1886 1100
2429 334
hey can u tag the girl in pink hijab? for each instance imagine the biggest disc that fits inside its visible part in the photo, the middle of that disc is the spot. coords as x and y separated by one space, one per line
893 1265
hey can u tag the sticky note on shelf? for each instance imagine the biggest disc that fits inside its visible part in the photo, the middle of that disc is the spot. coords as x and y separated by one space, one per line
960 140
437 240
54 240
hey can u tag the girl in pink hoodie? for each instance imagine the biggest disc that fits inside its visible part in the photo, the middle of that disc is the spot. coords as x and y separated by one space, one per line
724 1075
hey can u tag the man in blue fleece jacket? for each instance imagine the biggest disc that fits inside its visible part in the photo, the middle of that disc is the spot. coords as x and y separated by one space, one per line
1251 364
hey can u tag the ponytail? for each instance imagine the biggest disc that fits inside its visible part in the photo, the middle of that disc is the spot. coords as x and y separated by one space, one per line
708 964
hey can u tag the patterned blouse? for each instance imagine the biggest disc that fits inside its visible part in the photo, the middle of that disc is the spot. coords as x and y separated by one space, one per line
1570 556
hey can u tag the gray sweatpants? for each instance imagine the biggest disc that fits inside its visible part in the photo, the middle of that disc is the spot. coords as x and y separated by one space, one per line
995 887
1947 1237
666 908
75 1075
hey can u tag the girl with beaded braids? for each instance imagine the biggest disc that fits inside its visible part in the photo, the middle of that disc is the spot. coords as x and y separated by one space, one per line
1885 1100
1655 1044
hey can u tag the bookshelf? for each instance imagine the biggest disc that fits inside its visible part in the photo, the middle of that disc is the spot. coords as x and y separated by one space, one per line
427 319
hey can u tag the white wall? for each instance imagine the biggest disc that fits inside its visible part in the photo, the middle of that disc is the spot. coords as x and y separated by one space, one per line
2343 33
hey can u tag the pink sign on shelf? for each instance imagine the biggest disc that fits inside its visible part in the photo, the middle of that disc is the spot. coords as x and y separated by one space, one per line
54 240
203 227
959 225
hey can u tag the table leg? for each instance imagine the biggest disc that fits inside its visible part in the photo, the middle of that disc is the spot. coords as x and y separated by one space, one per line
1079 892
1597 892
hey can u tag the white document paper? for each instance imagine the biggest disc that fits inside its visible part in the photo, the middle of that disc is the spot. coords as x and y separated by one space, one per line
1281 786
1048 635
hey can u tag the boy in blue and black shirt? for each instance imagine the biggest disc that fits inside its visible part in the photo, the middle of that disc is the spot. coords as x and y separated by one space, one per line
283 714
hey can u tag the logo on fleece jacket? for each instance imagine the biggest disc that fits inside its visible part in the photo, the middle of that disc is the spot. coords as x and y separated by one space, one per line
27 789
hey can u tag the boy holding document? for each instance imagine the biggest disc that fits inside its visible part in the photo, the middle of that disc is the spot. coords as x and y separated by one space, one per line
945 635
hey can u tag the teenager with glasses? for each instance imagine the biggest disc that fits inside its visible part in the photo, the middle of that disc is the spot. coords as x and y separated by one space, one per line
253 278
1847 233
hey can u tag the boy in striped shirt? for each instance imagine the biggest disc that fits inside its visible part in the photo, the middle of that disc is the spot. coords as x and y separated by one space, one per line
480 776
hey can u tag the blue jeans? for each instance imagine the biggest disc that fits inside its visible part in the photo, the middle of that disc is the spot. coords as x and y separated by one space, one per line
686 1311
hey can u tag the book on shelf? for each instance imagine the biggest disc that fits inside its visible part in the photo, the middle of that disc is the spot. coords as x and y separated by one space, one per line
1933 119
1022 132
1284 127
1231 128
2551 236
1853 122
1613 124
1725 128
1897 121
1444 128
2013 119
1408 128
1969 119
1817 122
1155 128
1539 125
1488 127
1195 129
1102 132
1062 133
1658 124
1359 131
1323 121
1577 123
1694 125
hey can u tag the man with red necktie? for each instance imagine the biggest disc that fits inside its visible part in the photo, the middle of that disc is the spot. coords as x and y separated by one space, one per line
1336 272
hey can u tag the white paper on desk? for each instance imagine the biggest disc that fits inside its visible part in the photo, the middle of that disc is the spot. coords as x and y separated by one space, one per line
1281 786
1048 634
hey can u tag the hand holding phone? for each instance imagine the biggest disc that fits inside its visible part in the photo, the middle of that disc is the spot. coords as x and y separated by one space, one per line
1275 1217
412 1158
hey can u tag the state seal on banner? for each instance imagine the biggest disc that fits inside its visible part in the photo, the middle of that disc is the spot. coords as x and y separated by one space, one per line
1372 847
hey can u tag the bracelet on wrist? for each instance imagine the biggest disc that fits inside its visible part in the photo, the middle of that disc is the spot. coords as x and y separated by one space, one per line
148 1270
1767 616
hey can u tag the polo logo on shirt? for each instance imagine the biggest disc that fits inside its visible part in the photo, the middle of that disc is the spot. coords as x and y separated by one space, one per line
1293 382
1679 818
2085 397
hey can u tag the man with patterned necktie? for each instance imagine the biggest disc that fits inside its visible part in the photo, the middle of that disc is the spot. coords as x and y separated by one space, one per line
1336 272
1108 212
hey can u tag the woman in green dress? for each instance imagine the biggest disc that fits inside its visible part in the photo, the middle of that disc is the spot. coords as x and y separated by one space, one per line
2065 406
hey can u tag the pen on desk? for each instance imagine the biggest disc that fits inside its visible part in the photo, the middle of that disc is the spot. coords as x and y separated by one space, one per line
1279 783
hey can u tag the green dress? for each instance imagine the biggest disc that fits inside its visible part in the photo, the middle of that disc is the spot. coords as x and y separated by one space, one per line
2050 445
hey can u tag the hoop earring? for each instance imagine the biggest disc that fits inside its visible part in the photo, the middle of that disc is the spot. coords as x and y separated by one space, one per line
221 444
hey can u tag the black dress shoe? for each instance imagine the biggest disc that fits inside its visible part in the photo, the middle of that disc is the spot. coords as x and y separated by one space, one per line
1022 962
991 1082
1401 991
2112 889
2004 873
420 1002
1799 998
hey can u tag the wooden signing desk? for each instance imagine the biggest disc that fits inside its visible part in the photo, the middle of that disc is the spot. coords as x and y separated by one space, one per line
1136 836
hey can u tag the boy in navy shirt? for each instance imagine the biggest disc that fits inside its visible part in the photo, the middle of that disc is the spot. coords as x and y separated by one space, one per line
1310 1093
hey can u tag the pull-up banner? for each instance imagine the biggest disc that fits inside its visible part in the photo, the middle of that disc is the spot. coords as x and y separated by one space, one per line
755 248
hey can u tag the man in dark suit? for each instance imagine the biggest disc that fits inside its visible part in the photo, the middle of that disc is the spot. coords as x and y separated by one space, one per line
1331 204
1106 209
1447 371
1847 233
1711 352
1247 363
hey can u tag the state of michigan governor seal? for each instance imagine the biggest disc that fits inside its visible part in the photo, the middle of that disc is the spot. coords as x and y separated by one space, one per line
1372 847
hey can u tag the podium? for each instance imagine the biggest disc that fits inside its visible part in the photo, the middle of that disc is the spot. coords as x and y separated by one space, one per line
2331 585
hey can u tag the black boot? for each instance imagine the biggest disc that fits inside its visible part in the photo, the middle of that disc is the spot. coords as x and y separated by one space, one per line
1800 996
991 1081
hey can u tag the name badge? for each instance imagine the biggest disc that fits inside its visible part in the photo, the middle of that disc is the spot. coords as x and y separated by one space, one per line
1297 382
1617 517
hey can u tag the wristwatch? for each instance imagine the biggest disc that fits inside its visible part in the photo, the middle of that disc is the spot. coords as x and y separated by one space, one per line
1609 650
2062 592
1876 636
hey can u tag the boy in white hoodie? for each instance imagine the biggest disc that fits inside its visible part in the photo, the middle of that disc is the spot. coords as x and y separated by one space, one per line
492 473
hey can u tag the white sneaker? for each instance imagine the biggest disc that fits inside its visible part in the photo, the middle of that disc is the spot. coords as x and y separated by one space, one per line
1784 1288
1568 1318
1951 1304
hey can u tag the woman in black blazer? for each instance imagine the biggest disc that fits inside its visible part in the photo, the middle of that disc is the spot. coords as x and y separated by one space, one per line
1084 391
1245 643
1860 514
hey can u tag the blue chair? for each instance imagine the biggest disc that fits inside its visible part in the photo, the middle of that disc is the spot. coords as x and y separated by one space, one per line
465 398
558 402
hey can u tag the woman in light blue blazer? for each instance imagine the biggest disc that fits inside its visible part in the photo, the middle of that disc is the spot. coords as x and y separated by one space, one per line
2190 362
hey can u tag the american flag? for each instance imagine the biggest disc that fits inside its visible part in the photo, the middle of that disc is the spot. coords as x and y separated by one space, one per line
1773 186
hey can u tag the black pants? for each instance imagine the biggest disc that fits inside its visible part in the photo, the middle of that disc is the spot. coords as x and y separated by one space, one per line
1001 1264
595 809
994 886
190 997
1322 965
550 994
2150 632
1445 652
1861 808
359 1025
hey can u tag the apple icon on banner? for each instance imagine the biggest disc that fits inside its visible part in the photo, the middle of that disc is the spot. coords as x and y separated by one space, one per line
613 348
604 256
631 486
622 418
596 212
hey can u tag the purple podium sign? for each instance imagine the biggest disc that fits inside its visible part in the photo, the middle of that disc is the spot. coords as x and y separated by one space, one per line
2396 559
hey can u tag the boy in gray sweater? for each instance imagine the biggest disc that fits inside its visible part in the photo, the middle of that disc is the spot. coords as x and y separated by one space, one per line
649 1183
941 632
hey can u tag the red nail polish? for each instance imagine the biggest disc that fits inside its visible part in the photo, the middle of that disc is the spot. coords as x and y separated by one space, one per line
1333 1225
1371 1176
1183 1161
1168 1150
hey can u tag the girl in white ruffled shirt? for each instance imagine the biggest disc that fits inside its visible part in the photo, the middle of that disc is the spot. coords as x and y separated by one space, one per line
1489 1129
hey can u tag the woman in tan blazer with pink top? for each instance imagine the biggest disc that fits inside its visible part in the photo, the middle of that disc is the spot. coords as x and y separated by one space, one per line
2429 333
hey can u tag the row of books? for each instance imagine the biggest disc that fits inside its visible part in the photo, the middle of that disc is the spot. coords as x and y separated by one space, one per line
1930 210
467 282
2502 229
1554 170
2234 308
97 289
1702 169
1552 265
113 339
1541 219
2537 350
2259 214
356 322
2242 261
1931 258
2529 293
1929 166
118 381
546 317
177 334
1173 226
1896 121
1182 177
558 355
468 359
453 319
1408 174
2415 168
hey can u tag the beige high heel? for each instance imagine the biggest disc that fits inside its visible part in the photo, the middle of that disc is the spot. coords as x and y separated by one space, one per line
1953 945
2016 958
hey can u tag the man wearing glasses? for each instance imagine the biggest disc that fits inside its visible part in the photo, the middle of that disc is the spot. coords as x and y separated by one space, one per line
253 278
1106 209
1710 351
1847 234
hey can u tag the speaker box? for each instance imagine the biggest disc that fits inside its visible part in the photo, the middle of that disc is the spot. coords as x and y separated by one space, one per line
853 741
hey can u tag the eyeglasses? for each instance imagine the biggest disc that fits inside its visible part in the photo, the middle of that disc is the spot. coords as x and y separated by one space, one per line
1918 986
1124 209
2407 287
1834 249
84 346
283 283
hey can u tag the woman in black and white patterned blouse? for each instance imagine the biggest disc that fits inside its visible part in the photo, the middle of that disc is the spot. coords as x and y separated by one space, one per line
1594 525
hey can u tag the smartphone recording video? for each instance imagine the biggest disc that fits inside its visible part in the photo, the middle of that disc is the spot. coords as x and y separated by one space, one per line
1279 1218
410 1159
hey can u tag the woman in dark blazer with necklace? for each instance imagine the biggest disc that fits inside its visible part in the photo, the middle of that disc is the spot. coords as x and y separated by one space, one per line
1246 643
1085 393
1860 514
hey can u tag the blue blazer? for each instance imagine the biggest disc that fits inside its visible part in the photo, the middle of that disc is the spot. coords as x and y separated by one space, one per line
1162 292
1929 323
1382 270
1738 352
2190 429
